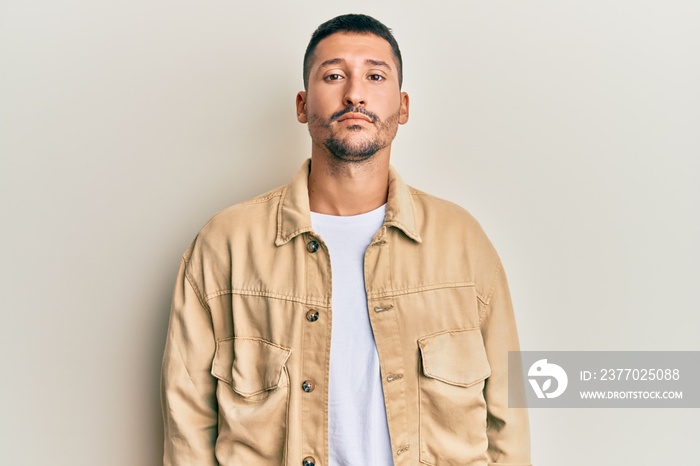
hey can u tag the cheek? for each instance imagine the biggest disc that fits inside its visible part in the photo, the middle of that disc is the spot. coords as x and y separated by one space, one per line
389 105
317 124
319 100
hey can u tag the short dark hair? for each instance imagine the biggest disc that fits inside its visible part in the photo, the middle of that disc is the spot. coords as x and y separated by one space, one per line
360 24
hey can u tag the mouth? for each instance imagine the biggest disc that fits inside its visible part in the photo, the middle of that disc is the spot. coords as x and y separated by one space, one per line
354 118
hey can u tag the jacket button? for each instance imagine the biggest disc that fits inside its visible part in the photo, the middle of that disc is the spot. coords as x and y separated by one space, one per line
308 386
312 315
309 461
312 246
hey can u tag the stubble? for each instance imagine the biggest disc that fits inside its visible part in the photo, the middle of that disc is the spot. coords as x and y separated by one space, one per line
345 149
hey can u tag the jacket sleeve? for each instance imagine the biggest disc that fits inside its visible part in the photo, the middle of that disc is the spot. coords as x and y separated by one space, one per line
188 390
507 428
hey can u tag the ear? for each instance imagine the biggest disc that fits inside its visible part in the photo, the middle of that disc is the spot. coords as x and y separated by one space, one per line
301 107
403 110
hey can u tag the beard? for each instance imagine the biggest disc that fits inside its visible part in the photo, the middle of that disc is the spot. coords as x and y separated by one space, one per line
345 148
352 152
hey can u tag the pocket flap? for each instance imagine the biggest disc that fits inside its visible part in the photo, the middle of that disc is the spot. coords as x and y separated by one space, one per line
250 365
456 357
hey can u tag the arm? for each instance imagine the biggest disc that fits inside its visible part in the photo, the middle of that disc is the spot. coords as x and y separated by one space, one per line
507 428
188 390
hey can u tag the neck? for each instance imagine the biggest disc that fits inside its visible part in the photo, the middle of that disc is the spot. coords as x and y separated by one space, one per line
337 187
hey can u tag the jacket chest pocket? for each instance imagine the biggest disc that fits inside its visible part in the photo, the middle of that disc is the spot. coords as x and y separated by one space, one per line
452 413
253 400
251 366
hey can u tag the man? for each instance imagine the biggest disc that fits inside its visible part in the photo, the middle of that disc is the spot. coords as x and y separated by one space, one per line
345 318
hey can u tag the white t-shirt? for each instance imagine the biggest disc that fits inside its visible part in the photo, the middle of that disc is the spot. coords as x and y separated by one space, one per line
358 433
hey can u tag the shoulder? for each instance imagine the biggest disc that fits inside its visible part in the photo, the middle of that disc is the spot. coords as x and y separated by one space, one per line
254 217
450 231
440 213
249 214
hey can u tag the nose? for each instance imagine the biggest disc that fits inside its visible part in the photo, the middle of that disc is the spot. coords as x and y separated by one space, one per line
354 93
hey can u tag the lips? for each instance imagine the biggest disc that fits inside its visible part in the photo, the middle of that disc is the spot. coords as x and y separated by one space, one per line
355 116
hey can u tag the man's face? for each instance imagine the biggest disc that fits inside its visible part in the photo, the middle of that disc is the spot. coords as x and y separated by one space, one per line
353 103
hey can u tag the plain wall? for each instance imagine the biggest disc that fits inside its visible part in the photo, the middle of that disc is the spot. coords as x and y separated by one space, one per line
570 129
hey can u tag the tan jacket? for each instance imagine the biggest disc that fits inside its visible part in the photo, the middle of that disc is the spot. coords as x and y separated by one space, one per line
245 370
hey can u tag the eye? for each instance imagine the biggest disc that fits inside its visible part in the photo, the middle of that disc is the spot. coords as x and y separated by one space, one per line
376 77
333 77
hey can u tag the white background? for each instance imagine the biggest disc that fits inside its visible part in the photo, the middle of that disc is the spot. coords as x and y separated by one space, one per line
570 129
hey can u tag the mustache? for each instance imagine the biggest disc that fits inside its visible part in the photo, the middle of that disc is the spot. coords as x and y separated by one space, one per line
351 109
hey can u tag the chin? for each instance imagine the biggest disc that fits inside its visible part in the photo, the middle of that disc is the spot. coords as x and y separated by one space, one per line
353 157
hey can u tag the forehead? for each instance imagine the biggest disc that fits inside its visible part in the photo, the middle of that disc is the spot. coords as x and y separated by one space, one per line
353 46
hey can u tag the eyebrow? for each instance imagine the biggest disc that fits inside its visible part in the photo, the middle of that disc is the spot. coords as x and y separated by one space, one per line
378 63
369 61
332 61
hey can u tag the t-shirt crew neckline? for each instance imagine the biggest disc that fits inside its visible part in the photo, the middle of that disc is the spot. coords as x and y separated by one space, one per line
351 219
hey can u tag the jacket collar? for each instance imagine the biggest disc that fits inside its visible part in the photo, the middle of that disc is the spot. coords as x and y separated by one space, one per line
294 216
